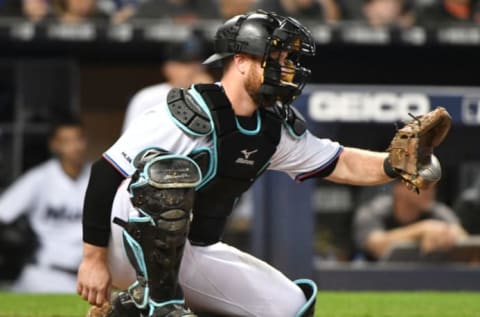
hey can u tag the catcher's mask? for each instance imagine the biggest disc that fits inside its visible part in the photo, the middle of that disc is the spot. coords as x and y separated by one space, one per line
268 35
163 181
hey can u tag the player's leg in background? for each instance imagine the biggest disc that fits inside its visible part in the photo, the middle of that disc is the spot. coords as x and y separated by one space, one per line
223 280
45 279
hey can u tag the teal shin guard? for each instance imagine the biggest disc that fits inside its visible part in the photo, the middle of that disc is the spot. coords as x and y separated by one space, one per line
162 191
155 254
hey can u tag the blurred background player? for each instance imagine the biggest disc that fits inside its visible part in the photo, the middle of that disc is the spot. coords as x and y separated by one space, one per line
386 13
467 207
51 196
35 10
304 10
435 13
77 11
405 216
181 68
182 11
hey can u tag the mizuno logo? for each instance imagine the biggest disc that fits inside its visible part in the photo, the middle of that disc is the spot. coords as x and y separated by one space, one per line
246 155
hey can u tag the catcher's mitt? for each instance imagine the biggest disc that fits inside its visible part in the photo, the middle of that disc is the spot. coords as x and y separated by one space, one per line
411 150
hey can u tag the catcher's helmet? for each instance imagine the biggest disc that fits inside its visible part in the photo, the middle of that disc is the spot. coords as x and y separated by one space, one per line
260 33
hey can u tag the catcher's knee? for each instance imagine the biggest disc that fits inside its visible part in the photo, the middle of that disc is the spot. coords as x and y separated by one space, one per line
309 289
299 303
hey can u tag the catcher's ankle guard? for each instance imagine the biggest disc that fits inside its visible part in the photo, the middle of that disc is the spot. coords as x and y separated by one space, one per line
162 190
124 306
170 309
309 288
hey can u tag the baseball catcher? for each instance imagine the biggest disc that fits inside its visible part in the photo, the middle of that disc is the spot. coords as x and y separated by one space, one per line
234 131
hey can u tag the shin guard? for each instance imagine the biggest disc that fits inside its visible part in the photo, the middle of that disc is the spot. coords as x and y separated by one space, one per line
162 191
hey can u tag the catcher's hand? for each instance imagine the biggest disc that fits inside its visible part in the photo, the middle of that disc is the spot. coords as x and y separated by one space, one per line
411 150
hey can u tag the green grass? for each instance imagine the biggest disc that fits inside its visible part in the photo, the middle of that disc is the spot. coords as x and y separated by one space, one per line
411 304
342 304
20 305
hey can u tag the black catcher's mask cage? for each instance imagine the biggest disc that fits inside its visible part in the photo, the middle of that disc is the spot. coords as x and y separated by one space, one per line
285 82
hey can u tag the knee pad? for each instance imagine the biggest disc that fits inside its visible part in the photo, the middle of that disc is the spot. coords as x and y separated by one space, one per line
162 191
309 289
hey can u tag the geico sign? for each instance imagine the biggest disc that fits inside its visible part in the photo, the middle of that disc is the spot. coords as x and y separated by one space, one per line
355 106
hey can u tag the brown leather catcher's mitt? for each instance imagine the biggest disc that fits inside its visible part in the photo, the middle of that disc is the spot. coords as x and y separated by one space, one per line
411 150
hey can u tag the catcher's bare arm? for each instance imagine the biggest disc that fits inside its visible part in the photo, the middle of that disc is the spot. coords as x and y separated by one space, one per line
409 157
360 167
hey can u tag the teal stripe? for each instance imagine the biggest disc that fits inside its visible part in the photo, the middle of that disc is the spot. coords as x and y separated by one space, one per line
196 95
250 132
310 300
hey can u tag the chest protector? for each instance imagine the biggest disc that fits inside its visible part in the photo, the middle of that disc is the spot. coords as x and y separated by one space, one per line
238 156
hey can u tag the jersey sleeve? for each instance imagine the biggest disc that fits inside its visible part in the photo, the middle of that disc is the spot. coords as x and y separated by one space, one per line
153 128
20 196
305 157
133 110
143 101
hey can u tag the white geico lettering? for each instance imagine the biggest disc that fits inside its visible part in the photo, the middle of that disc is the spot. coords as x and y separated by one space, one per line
360 107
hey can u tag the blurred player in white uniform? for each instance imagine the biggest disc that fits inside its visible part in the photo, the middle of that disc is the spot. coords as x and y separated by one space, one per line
181 68
229 134
51 195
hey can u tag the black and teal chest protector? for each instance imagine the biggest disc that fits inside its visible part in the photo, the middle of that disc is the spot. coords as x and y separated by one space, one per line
237 157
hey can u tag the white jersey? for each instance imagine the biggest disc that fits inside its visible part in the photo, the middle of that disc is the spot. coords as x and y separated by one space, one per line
53 202
144 100
296 157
